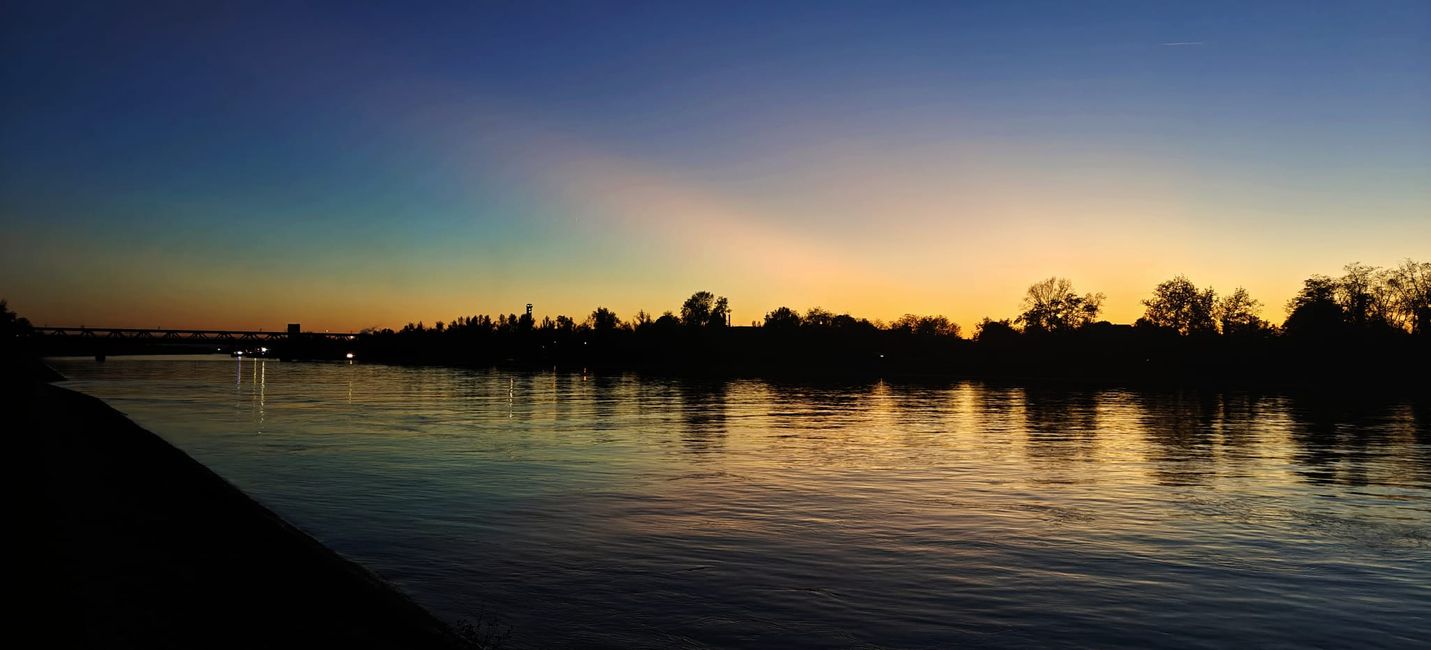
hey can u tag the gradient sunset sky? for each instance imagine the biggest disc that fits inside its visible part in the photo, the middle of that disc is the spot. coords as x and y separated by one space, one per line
345 165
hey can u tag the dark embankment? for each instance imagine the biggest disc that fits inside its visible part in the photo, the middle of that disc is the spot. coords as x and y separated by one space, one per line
136 545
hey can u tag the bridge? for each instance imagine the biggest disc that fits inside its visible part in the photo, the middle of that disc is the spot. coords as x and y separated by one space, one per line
103 341
185 335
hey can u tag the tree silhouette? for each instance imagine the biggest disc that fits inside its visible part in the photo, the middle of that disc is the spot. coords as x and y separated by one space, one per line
604 320
847 323
1237 314
819 318
925 325
1179 305
1362 296
666 322
995 331
1314 311
1052 306
12 324
1409 290
783 318
720 313
704 309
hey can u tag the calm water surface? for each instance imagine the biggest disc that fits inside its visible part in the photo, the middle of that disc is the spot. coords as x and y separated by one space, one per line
615 511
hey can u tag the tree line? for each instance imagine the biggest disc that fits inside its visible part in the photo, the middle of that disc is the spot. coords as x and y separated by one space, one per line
1356 322
1365 298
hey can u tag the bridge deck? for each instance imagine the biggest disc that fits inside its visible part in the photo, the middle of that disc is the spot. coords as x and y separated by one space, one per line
182 334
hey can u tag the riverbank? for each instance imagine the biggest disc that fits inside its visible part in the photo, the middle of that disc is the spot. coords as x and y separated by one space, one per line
133 544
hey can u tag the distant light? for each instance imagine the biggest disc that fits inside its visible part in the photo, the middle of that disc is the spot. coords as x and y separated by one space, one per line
350 355
240 352
263 350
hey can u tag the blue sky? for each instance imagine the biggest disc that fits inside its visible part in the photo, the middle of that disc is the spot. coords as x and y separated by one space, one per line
253 164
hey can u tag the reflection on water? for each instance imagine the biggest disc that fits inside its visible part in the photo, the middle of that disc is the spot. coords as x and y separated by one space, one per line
594 510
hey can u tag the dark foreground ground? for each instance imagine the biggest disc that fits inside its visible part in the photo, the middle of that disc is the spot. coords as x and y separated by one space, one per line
126 542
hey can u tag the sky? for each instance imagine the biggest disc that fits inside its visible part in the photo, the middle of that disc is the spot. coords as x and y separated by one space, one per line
248 165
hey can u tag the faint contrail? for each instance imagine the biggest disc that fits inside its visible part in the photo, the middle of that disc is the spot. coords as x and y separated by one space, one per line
1177 43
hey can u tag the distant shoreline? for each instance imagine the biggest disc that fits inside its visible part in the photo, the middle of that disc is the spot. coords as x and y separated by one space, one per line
1371 378
1287 370
141 546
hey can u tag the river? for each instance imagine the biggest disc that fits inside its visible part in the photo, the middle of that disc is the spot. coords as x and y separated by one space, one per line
628 512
